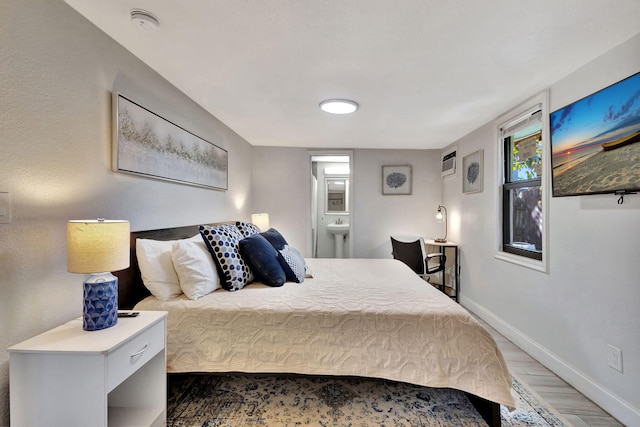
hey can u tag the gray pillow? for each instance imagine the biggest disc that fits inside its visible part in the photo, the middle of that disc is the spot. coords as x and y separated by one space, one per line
293 264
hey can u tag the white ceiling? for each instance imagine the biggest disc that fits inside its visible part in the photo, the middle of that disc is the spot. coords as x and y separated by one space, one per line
425 72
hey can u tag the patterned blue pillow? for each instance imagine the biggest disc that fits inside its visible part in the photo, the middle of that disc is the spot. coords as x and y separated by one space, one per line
263 260
247 228
223 244
294 265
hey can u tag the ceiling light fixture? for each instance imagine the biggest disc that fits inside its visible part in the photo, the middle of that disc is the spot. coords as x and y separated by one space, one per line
339 106
144 20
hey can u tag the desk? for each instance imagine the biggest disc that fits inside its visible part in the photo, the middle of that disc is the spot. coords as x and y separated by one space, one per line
448 281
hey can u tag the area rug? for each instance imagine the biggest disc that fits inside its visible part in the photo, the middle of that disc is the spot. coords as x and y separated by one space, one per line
287 400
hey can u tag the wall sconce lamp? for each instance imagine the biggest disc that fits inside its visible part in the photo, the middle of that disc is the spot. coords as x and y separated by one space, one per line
440 215
98 247
261 220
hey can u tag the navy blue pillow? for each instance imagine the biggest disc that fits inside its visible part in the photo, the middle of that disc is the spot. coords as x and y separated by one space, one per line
275 238
263 260
289 258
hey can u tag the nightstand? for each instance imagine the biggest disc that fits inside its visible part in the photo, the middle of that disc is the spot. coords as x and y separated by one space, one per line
111 377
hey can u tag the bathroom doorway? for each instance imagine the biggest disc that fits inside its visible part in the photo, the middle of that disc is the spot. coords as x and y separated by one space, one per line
331 204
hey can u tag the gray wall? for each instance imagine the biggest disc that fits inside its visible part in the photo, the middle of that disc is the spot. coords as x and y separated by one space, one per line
57 74
378 216
591 295
281 187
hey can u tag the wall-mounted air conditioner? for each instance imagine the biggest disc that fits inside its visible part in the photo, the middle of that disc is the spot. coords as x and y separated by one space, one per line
448 164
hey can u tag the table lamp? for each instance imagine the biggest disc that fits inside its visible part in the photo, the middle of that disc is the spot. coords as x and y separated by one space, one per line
98 247
440 216
261 220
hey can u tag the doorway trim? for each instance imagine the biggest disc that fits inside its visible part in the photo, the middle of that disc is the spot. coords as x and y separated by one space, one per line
328 152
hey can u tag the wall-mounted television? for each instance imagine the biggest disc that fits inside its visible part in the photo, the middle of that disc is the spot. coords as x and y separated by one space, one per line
595 142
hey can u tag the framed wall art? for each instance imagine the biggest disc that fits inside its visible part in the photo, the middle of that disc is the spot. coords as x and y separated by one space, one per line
473 172
149 145
396 180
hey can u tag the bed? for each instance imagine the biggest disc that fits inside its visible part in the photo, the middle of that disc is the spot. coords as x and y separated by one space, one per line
354 317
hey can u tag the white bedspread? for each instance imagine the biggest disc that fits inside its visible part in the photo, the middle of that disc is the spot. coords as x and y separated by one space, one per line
362 317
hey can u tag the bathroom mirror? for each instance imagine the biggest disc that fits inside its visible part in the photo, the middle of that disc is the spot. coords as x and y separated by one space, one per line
337 191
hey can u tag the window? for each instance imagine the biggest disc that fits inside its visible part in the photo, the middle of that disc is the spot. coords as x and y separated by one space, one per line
522 190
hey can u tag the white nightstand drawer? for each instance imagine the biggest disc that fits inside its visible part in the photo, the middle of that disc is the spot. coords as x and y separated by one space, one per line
134 353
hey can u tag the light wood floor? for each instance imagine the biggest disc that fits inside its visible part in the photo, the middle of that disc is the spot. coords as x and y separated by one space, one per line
566 400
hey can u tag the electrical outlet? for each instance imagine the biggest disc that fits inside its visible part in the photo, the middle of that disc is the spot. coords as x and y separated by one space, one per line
614 358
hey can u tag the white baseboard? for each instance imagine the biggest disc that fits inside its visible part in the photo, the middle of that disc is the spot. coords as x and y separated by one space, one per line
609 401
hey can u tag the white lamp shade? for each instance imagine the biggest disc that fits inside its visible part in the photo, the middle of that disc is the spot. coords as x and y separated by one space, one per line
96 246
261 220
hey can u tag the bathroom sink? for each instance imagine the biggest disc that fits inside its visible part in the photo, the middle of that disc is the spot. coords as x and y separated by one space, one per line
339 229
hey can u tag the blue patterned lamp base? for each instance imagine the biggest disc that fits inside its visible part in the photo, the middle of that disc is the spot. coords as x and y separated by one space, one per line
100 302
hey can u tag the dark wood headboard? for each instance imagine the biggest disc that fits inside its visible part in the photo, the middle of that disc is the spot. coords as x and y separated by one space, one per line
131 290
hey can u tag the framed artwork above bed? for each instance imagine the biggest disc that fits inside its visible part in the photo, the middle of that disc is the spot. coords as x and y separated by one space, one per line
148 145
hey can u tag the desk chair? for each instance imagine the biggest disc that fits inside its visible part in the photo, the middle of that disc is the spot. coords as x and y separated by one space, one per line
411 250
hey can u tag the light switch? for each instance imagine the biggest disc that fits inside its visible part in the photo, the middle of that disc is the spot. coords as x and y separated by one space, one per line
5 208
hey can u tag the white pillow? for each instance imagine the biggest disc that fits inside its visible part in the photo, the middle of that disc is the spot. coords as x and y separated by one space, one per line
156 267
196 271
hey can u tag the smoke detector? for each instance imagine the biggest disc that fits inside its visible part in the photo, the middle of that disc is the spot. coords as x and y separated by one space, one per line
144 20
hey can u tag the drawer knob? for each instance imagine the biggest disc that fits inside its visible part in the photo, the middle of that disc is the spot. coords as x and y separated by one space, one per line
138 353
